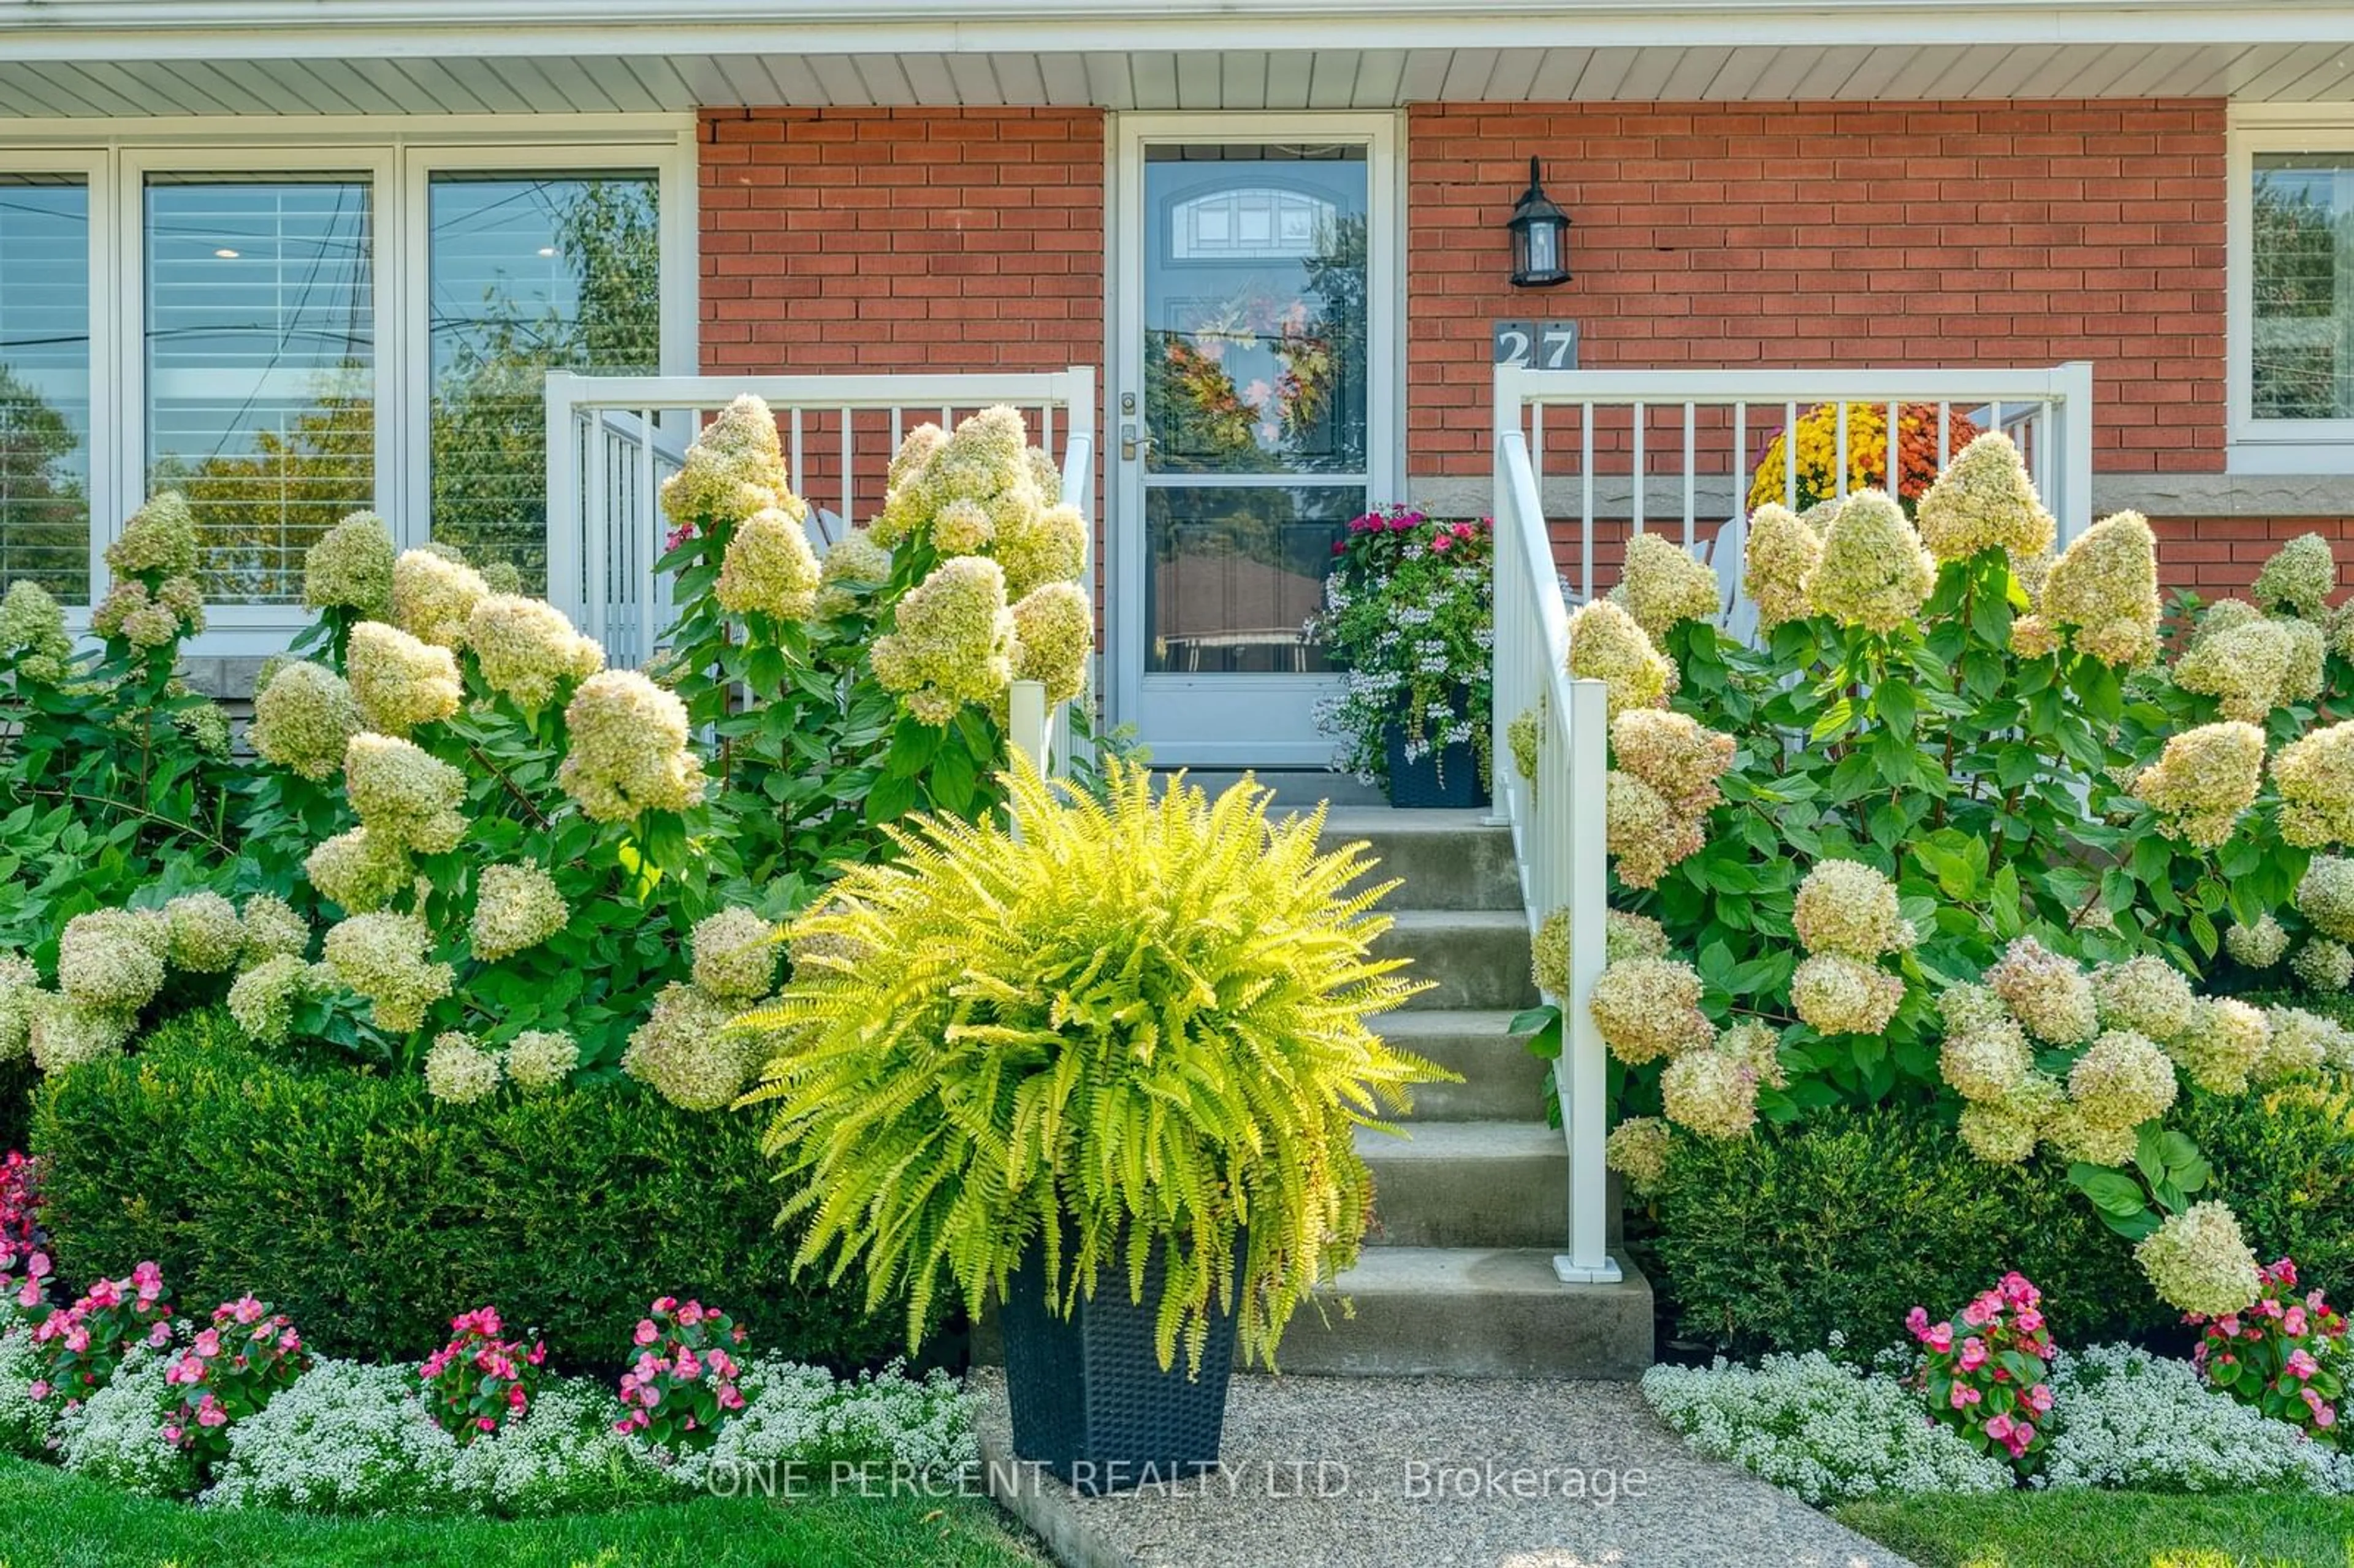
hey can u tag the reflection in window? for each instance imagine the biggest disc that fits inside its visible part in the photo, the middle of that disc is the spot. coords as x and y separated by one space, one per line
529 273
261 345
1236 572
2301 345
1255 309
45 385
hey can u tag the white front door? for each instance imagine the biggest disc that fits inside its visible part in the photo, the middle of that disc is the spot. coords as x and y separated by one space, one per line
1253 411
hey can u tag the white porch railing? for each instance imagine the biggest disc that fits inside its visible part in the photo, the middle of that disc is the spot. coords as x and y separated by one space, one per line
612 440
1643 447
1696 437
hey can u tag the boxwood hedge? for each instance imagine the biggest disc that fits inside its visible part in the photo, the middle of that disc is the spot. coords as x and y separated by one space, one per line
371 1213
1772 1242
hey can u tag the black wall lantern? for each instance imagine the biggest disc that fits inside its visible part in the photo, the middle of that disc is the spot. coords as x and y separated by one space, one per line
1540 239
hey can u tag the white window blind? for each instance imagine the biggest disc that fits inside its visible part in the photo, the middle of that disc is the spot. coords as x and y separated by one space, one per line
260 349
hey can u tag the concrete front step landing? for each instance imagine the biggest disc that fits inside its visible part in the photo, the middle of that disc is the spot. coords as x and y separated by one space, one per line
1468 1183
1413 1311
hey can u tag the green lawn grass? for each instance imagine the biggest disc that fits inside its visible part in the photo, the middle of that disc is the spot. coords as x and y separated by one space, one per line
2111 1530
57 1521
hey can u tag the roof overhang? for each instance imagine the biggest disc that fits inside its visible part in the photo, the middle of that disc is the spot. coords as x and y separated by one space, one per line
126 58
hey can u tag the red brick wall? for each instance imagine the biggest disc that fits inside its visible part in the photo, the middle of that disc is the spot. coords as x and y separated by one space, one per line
902 240
1731 235
2219 556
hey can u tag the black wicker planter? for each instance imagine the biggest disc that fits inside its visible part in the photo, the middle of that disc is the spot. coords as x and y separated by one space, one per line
1090 1402
1446 776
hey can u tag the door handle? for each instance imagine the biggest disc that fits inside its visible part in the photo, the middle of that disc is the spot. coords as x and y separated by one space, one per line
1133 444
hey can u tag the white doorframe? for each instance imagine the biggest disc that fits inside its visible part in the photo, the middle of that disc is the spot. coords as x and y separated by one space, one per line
1123 491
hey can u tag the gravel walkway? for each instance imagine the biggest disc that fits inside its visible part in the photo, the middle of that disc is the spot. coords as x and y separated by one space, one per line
1423 1473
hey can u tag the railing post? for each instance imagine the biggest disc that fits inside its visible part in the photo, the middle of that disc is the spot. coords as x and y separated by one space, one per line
2075 466
1582 1075
562 498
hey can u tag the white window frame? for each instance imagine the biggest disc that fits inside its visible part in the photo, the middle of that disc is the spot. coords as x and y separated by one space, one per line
399 155
2272 446
92 166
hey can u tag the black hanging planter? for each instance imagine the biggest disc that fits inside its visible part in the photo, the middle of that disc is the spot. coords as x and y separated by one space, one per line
1444 776
1090 1402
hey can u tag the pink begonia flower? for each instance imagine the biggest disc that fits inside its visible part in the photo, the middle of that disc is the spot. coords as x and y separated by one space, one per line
2301 1365
2284 1273
2292 1322
1976 1313
730 1399
30 1296
159 1334
212 1415
516 1398
2269 1306
247 1309
1940 1338
688 1366
207 1343
2016 1288
2038 1398
1997 1428
625 1426
649 1365
171 1434
77 1338
648 1397
647 1333
38 1265
37 1390
105 1293
2228 1326
538 1353
690 1314
723 1363
1964 1396
2029 1320
484 1423
1918 1320
2313 1298
1974 1354
665 1303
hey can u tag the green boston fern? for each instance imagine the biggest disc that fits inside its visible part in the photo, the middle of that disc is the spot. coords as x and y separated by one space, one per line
1144 1016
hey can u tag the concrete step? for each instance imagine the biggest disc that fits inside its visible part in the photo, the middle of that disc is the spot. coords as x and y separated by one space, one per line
1447 860
1476 958
1468 1183
1295 788
1470 1312
1502 1082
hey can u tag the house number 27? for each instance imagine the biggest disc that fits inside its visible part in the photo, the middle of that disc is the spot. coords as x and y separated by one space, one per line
1536 345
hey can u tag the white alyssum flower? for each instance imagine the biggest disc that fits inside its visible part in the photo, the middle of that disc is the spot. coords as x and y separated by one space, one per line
1824 1431
115 1437
2127 1419
345 1438
794 1413
562 1456
27 1425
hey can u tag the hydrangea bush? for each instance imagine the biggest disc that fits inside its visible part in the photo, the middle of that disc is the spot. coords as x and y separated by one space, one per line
1973 825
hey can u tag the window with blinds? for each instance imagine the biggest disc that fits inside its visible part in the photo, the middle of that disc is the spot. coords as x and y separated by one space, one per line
528 273
45 384
261 354
2301 342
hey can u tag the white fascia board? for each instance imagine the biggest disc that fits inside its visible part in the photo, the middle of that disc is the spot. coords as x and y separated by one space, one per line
169 29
